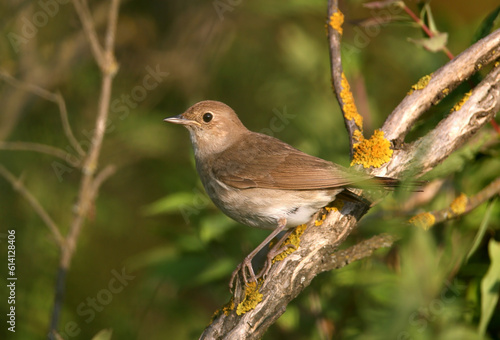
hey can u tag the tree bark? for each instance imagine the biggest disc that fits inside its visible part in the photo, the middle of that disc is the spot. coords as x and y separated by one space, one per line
318 245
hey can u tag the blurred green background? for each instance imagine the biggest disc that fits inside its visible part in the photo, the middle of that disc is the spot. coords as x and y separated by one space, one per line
152 219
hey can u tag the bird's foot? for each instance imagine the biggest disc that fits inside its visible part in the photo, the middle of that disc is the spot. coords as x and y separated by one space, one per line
245 267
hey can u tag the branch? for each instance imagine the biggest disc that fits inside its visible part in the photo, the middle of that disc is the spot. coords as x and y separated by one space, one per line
83 11
451 132
424 27
442 82
286 279
101 177
108 68
65 122
37 207
42 148
359 251
90 183
53 97
352 120
460 206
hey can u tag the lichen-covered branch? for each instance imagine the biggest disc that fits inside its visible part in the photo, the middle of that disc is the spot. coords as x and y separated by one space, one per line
318 244
287 278
461 205
436 86
480 107
352 119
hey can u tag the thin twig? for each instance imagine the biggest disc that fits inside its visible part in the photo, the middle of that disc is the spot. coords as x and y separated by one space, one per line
37 207
359 251
352 119
42 148
89 184
112 24
101 177
463 205
424 27
65 123
53 97
86 195
83 11
28 87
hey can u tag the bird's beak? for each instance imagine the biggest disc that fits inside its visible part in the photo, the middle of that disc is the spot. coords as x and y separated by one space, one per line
180 119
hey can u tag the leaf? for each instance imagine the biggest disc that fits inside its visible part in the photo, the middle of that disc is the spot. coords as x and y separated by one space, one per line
486 26
217 270
176 203
214 227
490 287
434 44
481 231
427 14
104 334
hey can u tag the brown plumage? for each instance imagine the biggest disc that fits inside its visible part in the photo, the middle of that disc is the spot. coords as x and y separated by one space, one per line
259 180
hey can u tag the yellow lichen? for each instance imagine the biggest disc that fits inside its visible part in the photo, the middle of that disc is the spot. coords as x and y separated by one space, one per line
350 110
422 83
336 21
459 204
423 220
357 136
372 152
294 240
252 298
445 91
319 221
462 101
336 205
228 307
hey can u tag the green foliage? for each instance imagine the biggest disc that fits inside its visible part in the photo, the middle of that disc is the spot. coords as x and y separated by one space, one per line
487 25
490 287
154 219
105 334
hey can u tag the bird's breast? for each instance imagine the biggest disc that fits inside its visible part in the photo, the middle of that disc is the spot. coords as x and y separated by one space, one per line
263 208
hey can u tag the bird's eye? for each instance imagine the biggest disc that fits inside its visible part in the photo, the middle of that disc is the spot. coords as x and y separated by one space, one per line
207 117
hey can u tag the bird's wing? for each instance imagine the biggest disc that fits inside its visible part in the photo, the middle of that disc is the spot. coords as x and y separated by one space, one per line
261 161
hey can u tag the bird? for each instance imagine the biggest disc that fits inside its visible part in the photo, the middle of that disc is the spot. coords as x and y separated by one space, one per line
261 181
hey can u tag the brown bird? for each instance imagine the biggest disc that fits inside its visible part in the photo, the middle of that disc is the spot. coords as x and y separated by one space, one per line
259 180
